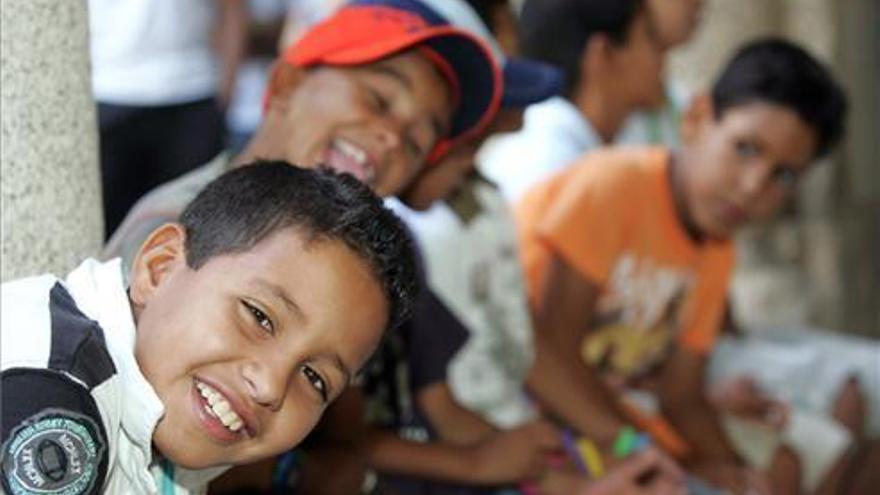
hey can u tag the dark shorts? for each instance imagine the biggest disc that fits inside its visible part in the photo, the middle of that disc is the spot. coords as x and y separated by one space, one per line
143 147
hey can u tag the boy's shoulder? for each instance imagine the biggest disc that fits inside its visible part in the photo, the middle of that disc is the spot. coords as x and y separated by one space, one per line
620 165
53 358
607 177
43 327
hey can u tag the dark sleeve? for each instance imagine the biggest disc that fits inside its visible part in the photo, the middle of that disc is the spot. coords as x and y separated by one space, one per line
435 336
53 438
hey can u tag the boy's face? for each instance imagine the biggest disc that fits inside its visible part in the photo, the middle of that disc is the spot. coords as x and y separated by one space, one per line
635 69
674 20
505 28
378 121
246 352
442 178
743 166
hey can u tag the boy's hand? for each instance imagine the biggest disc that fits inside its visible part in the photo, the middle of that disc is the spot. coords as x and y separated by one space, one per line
516 455
732 478
564 482
741 396
649 471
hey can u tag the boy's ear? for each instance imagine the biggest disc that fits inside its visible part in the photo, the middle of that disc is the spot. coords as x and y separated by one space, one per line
162 253
595 56
282 79
698 114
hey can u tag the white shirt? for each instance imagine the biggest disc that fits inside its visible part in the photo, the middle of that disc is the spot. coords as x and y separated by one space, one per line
554 134
153 52
128 406
473 267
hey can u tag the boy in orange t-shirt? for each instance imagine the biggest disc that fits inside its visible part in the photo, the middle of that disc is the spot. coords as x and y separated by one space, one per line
628 253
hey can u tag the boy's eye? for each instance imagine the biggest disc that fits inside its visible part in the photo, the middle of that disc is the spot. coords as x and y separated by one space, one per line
260 317
412 147
316 381
785 177
746 149
379 101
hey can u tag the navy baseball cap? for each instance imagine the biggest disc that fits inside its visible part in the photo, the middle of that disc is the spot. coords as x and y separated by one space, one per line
525 81
365 31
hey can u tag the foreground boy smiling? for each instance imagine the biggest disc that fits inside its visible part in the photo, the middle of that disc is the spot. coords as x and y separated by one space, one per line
241 323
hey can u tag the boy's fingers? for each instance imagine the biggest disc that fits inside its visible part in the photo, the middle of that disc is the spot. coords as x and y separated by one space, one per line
756 484
637 465
668 468
777 415
665 487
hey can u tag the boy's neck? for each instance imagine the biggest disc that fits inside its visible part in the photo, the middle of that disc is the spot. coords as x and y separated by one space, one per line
677 162
605 113
257 147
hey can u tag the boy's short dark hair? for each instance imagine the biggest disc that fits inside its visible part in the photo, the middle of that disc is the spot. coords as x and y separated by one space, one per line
777 71
246 205
486 10
557 31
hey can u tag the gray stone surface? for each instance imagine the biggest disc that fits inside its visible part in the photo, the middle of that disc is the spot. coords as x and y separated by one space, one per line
51 202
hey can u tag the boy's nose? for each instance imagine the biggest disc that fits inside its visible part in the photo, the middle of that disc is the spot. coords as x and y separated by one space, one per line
389 136
266 384
753 180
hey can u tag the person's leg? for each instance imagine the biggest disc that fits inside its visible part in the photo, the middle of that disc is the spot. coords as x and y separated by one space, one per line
849 409
784 473
123 157
192 134
865 476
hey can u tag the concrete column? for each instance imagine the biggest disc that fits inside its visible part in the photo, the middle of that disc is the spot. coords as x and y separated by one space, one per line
724 26
51 201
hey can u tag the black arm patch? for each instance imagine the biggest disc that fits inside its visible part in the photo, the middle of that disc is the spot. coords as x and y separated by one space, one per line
53 439
78 345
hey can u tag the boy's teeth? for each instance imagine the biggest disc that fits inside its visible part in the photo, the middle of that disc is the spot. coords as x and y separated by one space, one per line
220 408
352 151
228 418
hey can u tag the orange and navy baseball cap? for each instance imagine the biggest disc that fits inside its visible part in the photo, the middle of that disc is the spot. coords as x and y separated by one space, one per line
361 33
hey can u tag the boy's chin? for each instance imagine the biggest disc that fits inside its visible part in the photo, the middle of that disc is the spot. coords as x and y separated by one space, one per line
181 452
718 234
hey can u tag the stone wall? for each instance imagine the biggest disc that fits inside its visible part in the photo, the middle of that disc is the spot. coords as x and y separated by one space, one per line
51 202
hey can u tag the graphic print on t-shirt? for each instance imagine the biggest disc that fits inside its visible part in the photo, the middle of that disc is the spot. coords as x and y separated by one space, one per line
638 317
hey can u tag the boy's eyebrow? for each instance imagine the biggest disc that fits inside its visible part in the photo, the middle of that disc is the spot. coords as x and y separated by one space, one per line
440 129
342 367
393 74
281 295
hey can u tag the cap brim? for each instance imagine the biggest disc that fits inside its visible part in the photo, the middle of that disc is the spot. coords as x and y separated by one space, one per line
479 79
528 81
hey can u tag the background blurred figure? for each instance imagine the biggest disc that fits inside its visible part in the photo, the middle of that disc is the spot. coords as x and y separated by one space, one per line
162 74
612 63
674 22
274 25
303 14
265 22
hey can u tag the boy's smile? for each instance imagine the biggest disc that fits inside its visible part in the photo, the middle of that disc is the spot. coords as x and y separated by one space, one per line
223 415
743 166
265 340
378 122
